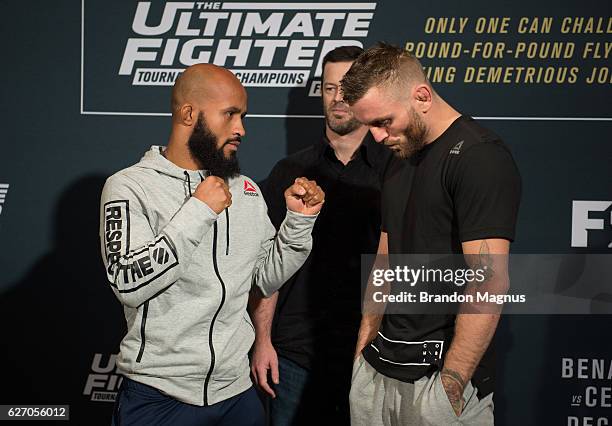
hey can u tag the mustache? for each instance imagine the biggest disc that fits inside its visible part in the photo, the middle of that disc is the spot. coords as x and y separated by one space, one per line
339 105
234 139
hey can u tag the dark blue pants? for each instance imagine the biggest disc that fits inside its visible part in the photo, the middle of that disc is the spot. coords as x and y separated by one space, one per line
312 397
139 404
289 393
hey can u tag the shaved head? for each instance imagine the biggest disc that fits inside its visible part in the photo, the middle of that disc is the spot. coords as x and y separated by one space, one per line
208 105
202 82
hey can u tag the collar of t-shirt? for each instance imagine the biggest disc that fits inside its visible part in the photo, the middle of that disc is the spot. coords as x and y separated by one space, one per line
364 153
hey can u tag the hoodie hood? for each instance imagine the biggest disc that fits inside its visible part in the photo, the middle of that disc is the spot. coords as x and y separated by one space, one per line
153 159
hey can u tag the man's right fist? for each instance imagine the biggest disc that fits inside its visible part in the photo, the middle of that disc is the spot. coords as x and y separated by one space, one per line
215 193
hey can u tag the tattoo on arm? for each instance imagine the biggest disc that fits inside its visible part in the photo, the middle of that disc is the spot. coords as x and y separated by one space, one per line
453 385
484 261
452 374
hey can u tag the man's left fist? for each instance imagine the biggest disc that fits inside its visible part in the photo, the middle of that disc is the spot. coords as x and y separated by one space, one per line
304 197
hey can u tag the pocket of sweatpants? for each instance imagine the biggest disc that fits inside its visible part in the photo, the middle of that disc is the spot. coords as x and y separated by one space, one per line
357 362
442 397
469 397
420 386
434 406
363 375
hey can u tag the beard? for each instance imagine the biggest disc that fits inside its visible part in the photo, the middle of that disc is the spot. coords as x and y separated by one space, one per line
414 136
203 148
341 126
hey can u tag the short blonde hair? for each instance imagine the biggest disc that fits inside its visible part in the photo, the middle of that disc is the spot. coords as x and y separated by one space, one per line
383 65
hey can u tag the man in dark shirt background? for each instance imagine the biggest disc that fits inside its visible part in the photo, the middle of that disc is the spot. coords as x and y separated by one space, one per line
457 192
306 333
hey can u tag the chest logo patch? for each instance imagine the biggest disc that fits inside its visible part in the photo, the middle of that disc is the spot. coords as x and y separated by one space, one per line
457 148
249 189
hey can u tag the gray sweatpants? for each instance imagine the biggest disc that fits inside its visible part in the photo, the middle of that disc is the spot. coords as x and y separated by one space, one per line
378 400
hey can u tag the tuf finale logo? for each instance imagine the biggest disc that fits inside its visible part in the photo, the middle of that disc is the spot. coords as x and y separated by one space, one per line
103 381
264 44
590 394
591 219
4 187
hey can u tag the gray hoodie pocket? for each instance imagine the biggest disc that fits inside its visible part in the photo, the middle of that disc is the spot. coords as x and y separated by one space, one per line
143 331
233 362
247 319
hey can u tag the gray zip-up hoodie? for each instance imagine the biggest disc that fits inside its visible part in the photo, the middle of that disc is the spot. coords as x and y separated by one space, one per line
183 274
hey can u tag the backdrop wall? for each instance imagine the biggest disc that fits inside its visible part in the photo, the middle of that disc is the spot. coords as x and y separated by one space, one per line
87 87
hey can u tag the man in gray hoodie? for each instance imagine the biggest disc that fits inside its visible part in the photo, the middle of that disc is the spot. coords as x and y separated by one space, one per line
183 274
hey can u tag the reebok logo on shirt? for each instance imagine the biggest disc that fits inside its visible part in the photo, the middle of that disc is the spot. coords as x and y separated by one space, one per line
249 189
457 148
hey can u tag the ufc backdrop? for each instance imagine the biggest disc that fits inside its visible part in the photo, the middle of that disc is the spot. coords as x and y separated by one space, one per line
86 92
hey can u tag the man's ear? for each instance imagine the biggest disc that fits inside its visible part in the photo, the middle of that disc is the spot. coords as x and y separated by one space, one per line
422 96
187 115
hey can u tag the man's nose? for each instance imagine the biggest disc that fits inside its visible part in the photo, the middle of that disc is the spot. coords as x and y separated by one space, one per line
338 95
379 134
239 129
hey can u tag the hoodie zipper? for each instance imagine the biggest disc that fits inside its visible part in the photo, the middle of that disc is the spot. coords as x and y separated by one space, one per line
223 291
212 323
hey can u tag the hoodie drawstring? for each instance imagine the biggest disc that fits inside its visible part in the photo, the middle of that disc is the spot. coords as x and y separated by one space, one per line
227 231
188 182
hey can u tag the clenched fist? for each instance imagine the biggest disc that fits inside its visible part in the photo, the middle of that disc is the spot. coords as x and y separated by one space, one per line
215 193
304 197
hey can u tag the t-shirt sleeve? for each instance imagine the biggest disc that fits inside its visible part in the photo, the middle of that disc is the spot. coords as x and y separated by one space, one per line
486 193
